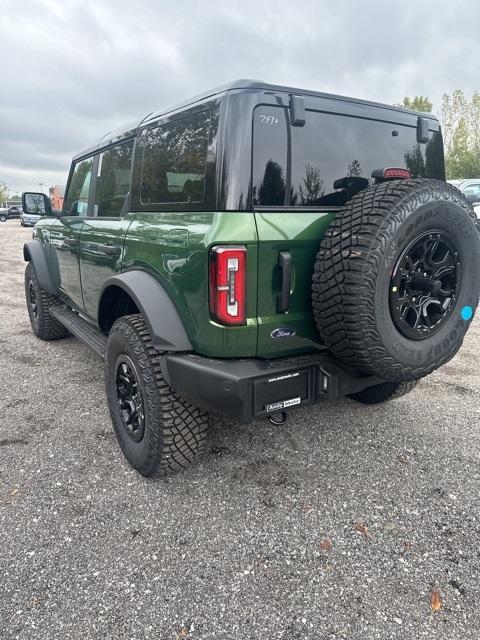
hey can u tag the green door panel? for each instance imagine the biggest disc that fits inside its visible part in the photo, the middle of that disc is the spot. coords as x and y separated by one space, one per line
63 235
300 234
99 237
174 247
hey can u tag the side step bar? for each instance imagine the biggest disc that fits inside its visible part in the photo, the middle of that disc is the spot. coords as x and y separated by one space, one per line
81 329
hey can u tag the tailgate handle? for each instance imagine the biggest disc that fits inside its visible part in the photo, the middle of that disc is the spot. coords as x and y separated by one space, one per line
285 264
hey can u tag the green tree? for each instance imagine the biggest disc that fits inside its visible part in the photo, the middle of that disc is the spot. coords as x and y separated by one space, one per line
415 162
3 193
354 169
461 132
418 103
272 188
312 185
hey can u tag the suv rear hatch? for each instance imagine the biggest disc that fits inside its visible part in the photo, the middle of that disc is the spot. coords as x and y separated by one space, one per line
294 174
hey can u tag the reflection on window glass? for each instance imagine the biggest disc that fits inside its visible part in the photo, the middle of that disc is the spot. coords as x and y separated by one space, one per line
270 156
332 156
174 161
113 182
76 201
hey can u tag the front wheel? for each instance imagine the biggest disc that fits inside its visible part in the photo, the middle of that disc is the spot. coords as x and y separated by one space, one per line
157 430
39 305
3 218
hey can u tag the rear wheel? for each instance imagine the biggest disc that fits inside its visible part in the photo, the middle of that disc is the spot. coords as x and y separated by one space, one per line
396 281
383 392
157 430
39 305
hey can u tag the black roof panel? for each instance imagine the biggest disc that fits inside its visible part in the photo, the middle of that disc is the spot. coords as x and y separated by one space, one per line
237 85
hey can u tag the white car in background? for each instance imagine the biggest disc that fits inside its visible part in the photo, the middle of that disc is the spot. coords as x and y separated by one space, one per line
471 189
29 219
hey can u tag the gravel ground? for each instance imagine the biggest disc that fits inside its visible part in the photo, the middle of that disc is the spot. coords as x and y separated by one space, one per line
340 524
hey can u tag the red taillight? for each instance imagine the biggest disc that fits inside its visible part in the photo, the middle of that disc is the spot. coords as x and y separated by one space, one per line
227 284
391 173
397 173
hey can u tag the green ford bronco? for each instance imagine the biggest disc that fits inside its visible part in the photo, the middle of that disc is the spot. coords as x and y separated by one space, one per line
255 248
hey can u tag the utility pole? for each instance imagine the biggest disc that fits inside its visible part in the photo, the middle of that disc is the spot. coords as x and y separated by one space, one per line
41 186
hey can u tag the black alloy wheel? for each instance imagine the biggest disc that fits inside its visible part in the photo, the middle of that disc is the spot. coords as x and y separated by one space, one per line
130 398
158 431
32 296
425 285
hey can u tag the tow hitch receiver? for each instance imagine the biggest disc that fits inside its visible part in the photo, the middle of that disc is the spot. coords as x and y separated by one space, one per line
278 418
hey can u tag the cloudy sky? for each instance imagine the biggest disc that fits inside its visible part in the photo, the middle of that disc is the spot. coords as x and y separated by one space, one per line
73 69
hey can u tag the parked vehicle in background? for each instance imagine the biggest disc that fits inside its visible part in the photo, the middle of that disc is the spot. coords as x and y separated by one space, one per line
471 189
9 213
29 219
254 249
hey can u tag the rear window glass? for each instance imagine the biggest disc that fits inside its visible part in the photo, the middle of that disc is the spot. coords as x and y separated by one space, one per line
175 160
298 166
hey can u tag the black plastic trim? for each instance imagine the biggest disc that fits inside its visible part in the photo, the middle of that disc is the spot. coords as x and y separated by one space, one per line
297 111
34 252
156 307
285 264
81 329
423 126
228 387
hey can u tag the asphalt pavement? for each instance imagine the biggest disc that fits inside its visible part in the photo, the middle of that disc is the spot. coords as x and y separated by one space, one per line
348 522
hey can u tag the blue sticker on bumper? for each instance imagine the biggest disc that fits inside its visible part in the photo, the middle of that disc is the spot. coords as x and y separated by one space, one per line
466 313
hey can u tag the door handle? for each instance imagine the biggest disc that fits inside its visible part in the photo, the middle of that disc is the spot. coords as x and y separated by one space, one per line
109 249
71 242
285 264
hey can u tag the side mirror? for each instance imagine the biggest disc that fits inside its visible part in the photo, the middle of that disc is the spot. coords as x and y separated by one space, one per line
36 203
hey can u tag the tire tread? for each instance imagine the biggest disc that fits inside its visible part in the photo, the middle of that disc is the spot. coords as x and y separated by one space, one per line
177 429
350 255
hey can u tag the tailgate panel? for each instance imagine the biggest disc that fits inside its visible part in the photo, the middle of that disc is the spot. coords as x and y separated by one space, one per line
300 234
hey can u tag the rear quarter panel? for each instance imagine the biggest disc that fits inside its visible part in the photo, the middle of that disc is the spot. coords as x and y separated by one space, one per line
174 248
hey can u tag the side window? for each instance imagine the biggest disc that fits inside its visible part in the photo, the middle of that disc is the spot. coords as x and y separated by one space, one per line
76 200
175 161
112 185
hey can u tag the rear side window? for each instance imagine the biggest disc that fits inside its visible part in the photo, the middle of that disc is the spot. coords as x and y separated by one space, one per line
175 160
298 166
112 185
76 200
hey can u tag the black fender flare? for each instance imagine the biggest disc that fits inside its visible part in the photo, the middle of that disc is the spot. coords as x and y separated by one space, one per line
34 252
155 305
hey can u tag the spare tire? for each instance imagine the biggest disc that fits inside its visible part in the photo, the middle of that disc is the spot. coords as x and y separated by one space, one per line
397 278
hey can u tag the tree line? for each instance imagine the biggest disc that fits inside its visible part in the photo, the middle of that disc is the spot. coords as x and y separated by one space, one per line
460 118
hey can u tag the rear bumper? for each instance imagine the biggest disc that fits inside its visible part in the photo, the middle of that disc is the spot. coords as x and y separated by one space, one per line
245 389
